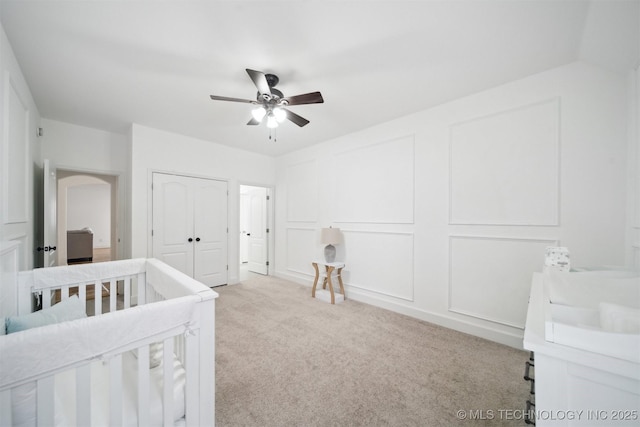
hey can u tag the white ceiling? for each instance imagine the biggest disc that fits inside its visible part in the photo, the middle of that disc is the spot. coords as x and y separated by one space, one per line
107 64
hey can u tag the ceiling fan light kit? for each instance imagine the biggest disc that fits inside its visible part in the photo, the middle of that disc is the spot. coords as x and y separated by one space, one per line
259 113
271 101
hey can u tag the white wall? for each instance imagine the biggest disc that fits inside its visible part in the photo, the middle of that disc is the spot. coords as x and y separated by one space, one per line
159 151
19 157
446 213
633 208
90 206
82 148
72 148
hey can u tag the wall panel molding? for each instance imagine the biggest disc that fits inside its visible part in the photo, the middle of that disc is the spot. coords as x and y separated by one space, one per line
15 154
301 245
302 191
505 167
381 262
490 277
375 183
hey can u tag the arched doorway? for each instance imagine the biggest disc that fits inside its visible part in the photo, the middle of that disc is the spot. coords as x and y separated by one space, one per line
87 200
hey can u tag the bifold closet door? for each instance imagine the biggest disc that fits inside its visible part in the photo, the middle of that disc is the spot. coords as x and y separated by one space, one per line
173 221
190 226
210 227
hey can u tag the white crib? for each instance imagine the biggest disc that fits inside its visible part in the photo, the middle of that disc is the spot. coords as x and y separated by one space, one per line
101 369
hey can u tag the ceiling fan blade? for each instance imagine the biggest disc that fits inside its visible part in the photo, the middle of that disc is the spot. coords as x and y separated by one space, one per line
299 120
226 98
307 98
260 81
253 122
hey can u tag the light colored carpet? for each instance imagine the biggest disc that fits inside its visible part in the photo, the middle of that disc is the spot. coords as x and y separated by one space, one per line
286 359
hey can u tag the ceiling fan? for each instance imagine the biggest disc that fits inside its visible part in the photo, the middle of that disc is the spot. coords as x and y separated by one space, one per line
271 101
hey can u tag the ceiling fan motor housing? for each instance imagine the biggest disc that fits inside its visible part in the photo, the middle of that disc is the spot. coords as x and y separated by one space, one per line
276 95
272 79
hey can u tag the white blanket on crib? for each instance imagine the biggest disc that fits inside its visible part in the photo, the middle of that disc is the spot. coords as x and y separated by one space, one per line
34 353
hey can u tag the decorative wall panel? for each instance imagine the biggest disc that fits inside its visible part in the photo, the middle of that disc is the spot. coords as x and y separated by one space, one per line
490 277
15 153
302 192
505 167
301 249
384 262
375 183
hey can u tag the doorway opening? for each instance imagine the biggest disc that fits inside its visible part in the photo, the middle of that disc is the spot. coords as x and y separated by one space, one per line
254 231
87 217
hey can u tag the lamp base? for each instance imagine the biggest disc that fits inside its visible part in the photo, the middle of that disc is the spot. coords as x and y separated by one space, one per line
329 253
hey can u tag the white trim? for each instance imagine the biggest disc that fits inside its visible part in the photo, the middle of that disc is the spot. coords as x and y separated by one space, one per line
9 88
411 136
511 339
315 188
557 221
450 308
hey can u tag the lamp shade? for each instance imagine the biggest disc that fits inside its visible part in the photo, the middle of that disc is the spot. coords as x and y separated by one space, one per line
330 236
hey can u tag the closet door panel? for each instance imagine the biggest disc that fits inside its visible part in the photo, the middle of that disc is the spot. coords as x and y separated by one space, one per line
173 221
210 222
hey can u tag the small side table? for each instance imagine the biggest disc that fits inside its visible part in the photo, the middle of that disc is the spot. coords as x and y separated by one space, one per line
329 268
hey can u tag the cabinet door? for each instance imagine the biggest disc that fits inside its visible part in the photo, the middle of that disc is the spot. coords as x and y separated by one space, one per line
173 221
210 231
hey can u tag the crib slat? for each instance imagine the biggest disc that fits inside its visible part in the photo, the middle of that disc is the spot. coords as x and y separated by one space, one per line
64 293
82 292
127 292
5 408
143 386
167 400
97 291
44 398
190 361
113 293
83 395
142 288
46 298
115 390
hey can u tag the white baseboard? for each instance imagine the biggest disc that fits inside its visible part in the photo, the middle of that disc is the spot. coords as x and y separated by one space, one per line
469 327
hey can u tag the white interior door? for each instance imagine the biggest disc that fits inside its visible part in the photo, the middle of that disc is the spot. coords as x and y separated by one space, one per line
48 246
189 226
173 221
258 240
210 231
244 228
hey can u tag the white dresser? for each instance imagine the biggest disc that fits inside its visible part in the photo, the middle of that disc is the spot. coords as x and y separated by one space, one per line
573 386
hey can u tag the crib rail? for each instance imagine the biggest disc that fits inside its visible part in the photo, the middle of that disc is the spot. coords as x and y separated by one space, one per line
41 288
81 376
129 284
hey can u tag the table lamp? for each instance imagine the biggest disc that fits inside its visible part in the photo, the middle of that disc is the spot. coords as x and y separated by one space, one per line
330 236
